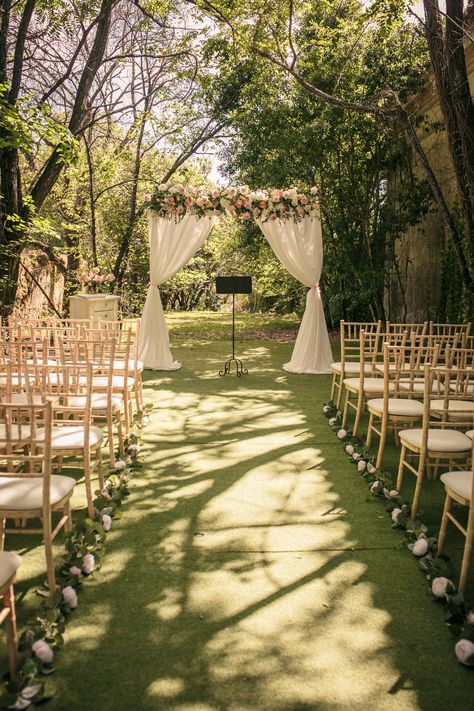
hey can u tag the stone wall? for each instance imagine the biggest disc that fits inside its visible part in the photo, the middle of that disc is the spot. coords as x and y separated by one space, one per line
413 291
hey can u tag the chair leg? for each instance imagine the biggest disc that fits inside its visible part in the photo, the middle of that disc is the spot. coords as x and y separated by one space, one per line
419 484
369 430
67 512
88 485
333 387
360 407
127 412
381 449
110 435
400 468
467 550
100 469
10 625
118 418
346 408
2 540
444 524
48 551
340 394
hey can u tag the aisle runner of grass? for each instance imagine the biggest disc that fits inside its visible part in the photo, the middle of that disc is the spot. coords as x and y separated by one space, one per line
249 572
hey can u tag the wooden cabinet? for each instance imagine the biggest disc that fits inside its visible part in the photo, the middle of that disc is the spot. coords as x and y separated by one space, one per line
96 307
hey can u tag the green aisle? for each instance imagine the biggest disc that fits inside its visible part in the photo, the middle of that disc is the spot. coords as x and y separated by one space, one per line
249 572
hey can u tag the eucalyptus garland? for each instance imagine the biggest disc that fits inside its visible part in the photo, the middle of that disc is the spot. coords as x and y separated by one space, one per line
437 569
83 555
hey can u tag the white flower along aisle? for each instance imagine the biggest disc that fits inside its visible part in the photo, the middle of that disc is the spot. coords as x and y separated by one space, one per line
180 219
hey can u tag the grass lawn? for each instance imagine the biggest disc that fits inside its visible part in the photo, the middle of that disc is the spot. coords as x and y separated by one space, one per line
251 571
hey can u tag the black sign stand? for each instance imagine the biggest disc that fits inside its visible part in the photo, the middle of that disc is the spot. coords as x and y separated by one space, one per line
234 285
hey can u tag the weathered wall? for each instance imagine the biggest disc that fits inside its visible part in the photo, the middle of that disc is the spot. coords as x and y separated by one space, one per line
31 299
419 253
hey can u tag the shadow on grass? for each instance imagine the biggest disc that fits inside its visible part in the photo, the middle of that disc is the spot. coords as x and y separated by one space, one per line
249 573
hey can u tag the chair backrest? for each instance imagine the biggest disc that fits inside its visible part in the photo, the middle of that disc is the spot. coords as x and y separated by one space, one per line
419 329
451 389
352 343
444 329
404 366
114 328
25 442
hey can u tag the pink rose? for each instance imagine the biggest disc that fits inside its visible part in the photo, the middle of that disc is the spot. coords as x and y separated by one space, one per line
188 202
147 198
314 190
215 193
285 194
238 203
262 204
281 208
246 215
110 277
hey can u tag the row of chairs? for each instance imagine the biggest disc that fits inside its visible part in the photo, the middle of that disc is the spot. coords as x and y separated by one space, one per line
61 383
421 387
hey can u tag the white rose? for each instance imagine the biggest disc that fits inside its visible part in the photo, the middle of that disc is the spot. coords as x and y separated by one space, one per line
88 564
74 570
441 586
393 493
395 514
375 486
371 469
420 547
106 522
133 447
350 450
356 456
70 596
333 421
43 651
342 434
326 409
120 464
470 617
361 466
465 652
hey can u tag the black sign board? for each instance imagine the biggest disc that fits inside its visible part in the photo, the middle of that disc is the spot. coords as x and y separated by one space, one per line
234 284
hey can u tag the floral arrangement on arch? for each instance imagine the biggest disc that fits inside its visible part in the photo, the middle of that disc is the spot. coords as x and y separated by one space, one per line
174 201
94 280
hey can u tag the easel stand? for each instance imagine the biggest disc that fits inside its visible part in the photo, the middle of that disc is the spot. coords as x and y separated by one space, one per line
239 368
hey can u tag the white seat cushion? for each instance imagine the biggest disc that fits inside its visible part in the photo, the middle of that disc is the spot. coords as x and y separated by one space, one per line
470 434
23 399
9 564
462 409
71 436
392 366
102 381
371 385
438 440
120 364
398 406
418 385
25 493
16 433
350 367
459 482
98 401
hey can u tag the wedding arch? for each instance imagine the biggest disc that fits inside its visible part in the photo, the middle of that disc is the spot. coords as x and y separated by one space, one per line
180 220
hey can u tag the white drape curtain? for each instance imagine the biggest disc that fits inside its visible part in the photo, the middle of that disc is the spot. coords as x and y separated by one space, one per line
299 247
172 244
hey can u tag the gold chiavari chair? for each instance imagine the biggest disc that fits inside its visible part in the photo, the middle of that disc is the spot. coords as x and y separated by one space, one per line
366 384
350 363
105 403
445 398
9 564
69 388
123 382
135 365
28 489
399 404
459 486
